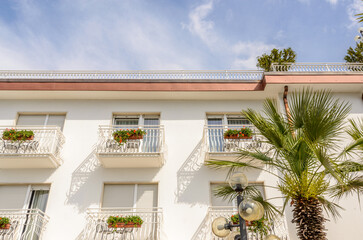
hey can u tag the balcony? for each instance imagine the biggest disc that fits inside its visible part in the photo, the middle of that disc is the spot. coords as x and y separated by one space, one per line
97 227
41 152
219 148
137 153
278 227
25 224
317 67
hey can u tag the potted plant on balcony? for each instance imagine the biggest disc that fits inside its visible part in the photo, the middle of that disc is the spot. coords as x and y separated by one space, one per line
18 135
121 136
260 227
116 222
4 223
124 222
133 221
243 133
235 219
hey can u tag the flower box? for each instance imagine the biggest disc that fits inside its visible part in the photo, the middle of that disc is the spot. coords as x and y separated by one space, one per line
117 225
132 225
6 226
236 137
121 136
18 135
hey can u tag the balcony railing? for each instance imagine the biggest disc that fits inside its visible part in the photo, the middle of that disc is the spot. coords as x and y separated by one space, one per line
145 152
41 152
317 67
167 75
227 149
278 227
26 224
97 227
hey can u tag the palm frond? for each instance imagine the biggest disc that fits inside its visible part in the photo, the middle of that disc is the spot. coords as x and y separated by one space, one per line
352 185
330 208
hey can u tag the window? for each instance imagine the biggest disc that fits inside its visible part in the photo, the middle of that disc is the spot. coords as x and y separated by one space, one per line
130 195
24 196
42 120
217 124
149 123
219 201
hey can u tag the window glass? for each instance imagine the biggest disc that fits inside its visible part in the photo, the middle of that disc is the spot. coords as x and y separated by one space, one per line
56 120
127 121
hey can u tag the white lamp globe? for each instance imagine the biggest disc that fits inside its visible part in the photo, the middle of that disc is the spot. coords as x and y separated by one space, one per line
272 237
218 227
238 181
232 236
250 210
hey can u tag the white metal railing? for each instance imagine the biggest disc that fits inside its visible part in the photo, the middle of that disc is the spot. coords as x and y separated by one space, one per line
278 226
47 140
152 141
317 67
216 143
170 75
26 224
97 227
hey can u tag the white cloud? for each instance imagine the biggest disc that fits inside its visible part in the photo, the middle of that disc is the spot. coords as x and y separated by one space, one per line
333 2
96 35
354 8
241 55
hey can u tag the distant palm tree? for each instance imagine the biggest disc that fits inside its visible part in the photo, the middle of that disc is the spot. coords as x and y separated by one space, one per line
305 147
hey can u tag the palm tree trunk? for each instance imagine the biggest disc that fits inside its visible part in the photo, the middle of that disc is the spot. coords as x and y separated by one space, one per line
309 219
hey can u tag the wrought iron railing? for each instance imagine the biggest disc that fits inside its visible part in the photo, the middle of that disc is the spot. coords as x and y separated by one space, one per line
26 224
317 67
278 226
168 75
151 143
97 227
216 143
48 140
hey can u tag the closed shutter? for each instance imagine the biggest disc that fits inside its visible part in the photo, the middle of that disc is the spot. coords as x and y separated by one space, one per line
118 195
13 197
147 196
36 120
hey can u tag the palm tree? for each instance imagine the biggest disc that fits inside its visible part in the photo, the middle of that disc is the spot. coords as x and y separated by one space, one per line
304 148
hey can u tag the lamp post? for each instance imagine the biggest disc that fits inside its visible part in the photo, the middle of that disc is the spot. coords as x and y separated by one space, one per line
248 210
359 38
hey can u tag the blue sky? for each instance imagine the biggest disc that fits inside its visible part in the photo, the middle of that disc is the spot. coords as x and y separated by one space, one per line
161 34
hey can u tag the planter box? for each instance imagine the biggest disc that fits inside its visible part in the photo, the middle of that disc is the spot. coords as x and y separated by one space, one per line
118 225
135 137
7 226
236 137
20 139
123 225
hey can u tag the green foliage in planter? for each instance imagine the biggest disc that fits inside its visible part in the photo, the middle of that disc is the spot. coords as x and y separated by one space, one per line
133 219
4 221
235 218
243 132
113 220
260 227
17 135
121 136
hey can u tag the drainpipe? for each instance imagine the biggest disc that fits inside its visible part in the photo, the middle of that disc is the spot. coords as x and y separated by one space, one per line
287 109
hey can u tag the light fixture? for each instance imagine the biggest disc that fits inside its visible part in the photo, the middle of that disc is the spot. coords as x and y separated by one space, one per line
251 210
218 227
272 237
359 38
238 181
233 236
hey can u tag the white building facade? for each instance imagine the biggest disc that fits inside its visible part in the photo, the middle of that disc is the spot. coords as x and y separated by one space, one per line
72 176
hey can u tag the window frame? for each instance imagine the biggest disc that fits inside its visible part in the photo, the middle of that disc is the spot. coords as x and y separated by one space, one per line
42 113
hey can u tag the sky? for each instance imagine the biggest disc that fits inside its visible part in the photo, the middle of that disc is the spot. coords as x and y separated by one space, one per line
171 34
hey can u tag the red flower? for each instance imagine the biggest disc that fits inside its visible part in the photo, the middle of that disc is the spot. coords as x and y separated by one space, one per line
134 131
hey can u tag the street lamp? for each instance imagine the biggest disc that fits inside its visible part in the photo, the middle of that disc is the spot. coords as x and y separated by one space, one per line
359 38
248 210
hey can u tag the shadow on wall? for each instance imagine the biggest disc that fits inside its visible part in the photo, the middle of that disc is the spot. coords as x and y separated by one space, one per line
187 172
78 194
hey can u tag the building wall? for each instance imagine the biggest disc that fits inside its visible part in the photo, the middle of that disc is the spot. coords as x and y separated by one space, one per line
184 182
